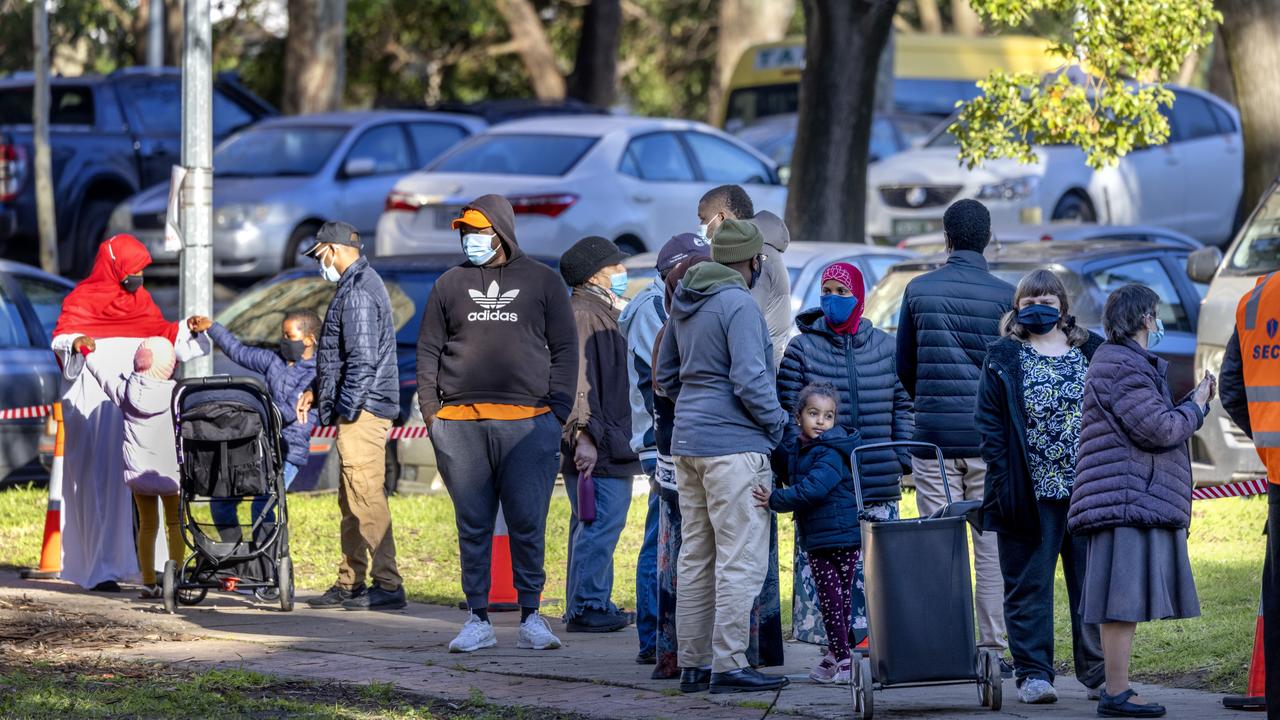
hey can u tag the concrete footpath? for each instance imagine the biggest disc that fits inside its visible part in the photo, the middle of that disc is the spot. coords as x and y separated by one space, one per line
593 675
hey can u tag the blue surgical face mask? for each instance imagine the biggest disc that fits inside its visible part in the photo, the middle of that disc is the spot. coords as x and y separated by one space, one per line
329 272
1155 336
618 283
478 248
1039 319
838 308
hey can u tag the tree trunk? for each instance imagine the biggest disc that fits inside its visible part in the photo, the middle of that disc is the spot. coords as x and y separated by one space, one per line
843 44
1220 70
964 20
531 42
1249 32
743 23
595 71
315 56
173 32
930 16
46 220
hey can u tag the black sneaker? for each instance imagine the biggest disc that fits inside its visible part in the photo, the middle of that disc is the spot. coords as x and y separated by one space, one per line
1006 669
647 657
746 680
596 621
694 680
106 586
335 596
377 599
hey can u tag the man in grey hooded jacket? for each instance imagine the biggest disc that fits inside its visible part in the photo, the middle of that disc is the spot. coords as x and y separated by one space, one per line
715 363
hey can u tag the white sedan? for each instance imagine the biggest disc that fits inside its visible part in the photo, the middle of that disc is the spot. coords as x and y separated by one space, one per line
636 181
1191 184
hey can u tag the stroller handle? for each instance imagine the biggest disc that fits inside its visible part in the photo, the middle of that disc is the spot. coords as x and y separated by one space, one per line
857 478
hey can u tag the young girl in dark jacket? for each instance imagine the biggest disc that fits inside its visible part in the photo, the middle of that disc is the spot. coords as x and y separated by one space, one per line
1028 416
813 470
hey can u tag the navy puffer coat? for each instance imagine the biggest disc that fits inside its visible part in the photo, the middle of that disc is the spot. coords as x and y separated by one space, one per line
818 487
356 366
1134 469
879 410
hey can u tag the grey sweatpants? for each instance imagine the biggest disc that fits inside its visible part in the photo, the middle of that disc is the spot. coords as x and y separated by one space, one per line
512 461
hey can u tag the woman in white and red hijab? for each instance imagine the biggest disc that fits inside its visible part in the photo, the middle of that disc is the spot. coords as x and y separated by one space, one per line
108 313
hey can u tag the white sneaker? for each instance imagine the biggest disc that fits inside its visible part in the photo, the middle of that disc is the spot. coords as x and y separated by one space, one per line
1037 692
535 634
476 635
844 672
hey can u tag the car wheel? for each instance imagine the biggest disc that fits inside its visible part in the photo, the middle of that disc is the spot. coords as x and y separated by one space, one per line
298 240
1074 206
90 228
630 245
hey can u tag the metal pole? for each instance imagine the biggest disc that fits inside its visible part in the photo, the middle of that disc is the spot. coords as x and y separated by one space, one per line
196 202
155 34
46 220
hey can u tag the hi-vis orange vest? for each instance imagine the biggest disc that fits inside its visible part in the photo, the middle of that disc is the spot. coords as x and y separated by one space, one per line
1258 327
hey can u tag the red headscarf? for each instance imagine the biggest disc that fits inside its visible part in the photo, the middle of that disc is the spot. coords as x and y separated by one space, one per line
100 307
850 277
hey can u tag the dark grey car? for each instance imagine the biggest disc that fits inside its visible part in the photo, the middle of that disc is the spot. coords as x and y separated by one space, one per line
30 302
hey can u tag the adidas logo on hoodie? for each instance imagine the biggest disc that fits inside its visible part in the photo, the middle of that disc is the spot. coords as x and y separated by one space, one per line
493 301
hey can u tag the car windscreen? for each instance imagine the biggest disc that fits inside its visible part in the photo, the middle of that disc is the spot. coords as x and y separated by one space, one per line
255 317
502 154
925 96
1258 251
69 105
277 151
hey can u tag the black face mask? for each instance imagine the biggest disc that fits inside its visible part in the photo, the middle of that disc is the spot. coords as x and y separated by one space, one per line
292 350
131 283
1039 319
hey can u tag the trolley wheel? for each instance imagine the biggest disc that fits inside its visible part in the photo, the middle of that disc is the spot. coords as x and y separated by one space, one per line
194 596
984 686
995 682
169 587
284 583
865 690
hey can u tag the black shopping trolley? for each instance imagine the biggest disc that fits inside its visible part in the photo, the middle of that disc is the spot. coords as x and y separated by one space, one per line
919 602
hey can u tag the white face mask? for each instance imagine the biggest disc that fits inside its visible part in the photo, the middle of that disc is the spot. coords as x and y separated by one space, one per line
329 272
478 248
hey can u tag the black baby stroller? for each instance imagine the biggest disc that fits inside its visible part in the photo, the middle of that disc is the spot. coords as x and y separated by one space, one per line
919 602
232 500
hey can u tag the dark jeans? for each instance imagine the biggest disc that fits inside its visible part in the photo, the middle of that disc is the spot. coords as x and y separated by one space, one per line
515 462
1027 566
1271 603
647 572
591 545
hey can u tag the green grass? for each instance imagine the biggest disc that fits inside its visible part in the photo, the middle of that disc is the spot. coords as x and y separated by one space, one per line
1210 652
86 689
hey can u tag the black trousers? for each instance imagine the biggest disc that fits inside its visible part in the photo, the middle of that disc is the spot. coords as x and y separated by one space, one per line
1027 565
1271 603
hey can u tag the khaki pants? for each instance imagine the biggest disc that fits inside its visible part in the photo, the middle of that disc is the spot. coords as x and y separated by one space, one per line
967 478
723 558
366 519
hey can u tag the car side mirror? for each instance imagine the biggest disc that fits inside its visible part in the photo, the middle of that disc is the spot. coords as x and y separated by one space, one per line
1203 263
359 167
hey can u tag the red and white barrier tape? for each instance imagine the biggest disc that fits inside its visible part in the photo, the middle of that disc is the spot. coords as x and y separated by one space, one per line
1240 488
26 413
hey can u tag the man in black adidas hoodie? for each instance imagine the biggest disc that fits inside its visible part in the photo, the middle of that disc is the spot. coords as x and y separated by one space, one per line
497 373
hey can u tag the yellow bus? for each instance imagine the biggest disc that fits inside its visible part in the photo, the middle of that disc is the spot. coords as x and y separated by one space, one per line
931 73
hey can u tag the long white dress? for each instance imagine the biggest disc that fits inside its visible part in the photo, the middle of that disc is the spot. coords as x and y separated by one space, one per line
97 507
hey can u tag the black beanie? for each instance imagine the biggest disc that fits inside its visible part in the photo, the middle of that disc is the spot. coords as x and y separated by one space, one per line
585 259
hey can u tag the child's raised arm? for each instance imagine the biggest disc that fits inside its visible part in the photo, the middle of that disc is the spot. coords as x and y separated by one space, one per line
114 387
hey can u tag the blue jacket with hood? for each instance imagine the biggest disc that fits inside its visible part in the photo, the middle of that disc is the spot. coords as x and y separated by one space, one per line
818 487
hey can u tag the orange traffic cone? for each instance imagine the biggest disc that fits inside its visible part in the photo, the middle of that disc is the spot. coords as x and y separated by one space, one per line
51 547
502 589
1256 697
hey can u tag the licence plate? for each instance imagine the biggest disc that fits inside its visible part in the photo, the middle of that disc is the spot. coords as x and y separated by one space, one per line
908 228
446 214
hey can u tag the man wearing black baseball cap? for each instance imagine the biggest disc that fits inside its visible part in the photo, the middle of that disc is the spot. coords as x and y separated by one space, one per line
358 389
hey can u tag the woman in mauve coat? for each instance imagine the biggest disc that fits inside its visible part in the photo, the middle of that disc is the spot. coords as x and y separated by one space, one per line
1132 494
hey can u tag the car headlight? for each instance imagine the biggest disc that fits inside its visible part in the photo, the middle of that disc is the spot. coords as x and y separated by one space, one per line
1014 189
233 216
1209 357
121 218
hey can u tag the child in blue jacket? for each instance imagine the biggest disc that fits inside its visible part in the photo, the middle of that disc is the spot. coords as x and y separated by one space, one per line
817 485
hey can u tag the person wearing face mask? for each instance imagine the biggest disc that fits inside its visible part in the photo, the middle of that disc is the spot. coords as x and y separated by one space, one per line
497 376
1132 495
838 346
357 388
1030 402
596 445
715 364
109 313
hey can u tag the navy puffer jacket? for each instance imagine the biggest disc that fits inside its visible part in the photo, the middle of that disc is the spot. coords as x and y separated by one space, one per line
879 410
817 486
949 317
1134 469
356 366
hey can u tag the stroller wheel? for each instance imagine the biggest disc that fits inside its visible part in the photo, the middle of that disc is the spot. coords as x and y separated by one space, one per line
266 594
193 596
284 583
865 688
169 589
995 682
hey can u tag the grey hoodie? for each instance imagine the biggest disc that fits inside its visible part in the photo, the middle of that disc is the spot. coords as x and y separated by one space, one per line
715 363
150 452
772 292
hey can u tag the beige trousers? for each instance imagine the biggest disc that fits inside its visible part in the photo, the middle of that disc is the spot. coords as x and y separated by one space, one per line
723 559
366 518
967 478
